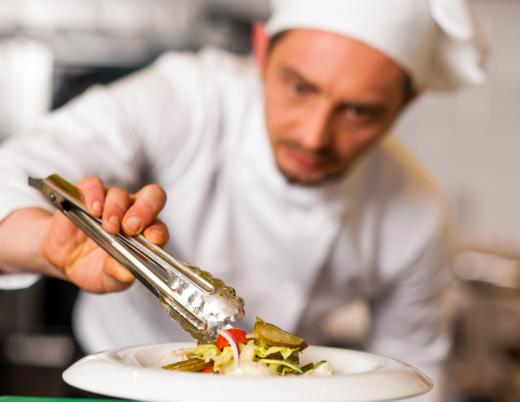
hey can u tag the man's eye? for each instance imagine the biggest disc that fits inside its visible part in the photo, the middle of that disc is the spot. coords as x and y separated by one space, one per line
300 88
357 111
354 112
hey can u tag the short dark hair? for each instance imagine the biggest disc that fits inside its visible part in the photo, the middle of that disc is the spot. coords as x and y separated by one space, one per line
275 39
408 85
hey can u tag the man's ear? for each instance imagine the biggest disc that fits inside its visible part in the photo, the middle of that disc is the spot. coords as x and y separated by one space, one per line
260 43
416 94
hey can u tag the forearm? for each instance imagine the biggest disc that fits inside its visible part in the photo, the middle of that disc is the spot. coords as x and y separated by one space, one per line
21 238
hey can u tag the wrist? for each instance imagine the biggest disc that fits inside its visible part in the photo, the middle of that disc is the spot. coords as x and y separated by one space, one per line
21 237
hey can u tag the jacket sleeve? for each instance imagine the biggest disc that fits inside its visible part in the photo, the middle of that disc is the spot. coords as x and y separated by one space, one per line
122 133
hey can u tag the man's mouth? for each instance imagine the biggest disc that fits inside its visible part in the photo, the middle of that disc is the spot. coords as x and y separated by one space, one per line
306 160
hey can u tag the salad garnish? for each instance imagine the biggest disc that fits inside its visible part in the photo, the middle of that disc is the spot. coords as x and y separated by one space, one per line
268 350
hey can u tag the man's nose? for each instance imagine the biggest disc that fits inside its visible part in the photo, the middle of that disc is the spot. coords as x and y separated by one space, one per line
315 127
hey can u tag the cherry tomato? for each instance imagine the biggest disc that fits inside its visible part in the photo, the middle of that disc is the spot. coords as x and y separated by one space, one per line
238 335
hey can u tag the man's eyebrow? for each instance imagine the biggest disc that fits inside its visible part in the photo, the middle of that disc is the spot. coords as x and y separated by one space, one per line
291 72
372 107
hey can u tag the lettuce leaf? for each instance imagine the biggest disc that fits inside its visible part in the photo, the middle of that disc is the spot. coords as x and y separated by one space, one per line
263 352
206 352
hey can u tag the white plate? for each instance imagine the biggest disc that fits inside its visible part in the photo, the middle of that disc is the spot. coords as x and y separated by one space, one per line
135 373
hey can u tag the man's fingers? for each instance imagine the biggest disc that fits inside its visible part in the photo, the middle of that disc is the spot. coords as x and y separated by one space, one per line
117 202
157 233
116 277
93 193
110 284
149 201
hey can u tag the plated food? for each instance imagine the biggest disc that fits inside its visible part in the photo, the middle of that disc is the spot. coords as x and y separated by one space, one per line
267 351
135 373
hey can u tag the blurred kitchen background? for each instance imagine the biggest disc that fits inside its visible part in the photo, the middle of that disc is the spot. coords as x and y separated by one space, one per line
51 50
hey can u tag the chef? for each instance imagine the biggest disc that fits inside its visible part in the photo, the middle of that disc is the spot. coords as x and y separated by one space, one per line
277 173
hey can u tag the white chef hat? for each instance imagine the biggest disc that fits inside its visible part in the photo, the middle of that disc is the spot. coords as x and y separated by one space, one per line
438 42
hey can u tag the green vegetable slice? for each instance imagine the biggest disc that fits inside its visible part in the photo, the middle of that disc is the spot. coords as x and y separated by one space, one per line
308 367
312 366
271 335
191 365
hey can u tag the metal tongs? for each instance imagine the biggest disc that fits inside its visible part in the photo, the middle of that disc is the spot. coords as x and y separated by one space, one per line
201 303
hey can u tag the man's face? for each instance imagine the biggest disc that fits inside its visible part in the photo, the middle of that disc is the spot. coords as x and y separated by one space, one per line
328 100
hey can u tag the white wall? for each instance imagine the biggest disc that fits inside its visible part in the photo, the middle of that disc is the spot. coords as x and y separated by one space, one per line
471 140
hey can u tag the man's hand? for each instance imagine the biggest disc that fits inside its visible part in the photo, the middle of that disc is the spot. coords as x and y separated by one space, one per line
80 259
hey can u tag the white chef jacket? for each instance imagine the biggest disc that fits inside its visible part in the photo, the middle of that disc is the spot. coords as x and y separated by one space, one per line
194 124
